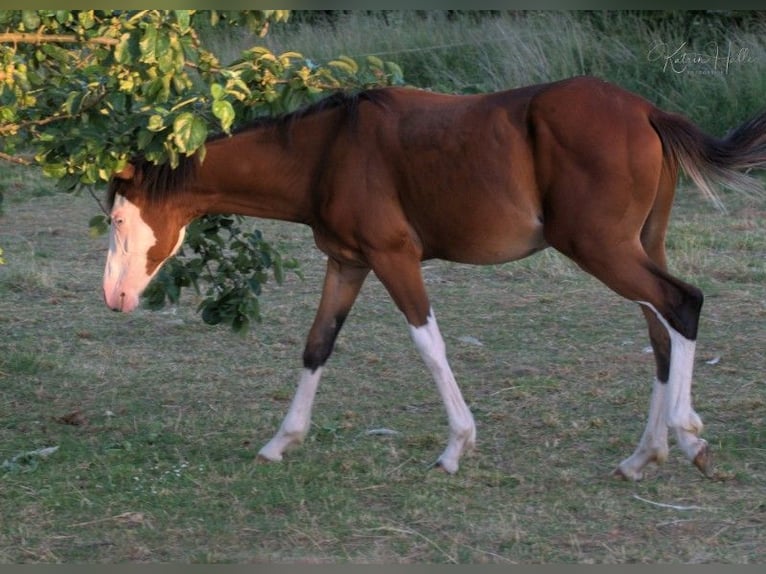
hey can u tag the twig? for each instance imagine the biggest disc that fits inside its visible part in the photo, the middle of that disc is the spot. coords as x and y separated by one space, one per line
21 160
98 201
129 517
33 38
13 128
670 506
675 522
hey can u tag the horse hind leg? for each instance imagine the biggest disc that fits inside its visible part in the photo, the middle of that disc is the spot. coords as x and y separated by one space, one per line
677 312
672 309
674 355
653 446
680 415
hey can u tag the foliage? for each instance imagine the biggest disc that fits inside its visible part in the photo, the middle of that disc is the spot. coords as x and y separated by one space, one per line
85 90
233 261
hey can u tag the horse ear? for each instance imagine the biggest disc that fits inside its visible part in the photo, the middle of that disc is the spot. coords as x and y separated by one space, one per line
126 173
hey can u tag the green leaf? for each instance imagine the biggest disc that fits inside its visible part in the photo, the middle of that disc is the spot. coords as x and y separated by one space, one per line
90 175
211 312
54 170
98 225
63 16
184 19
155 123
126 49
393 70
223 110
164 53
30 19
86 19
344 66
56 52
375 62
148 44
74 102
189 132
217 91
144 138
350 62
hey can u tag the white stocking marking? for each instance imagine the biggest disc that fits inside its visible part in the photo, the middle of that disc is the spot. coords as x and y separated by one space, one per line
680 416
462 437
296 423
654 442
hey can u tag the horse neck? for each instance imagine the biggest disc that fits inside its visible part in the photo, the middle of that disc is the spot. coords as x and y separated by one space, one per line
256 174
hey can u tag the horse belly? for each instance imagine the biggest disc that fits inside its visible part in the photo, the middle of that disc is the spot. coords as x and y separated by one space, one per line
485 240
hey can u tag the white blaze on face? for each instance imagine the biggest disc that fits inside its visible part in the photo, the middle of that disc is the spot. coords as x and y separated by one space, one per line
130 239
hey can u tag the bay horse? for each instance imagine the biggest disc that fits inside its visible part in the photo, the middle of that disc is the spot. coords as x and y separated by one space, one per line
390 177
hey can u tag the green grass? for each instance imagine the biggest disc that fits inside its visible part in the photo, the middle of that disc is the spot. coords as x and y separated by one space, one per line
158 417
511 50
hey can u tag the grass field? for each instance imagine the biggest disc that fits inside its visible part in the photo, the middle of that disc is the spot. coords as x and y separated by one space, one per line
157 417
151 421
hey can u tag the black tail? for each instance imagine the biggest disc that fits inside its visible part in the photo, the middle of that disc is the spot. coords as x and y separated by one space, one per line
708 160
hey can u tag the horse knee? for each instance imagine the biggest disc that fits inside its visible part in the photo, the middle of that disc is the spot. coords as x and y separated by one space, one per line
321 342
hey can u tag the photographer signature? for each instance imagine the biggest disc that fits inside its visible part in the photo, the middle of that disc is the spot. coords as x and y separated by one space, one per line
711 61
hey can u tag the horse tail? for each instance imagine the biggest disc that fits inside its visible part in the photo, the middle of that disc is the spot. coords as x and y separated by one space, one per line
707 160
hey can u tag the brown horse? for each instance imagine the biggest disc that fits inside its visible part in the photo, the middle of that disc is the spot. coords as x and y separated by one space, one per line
390 177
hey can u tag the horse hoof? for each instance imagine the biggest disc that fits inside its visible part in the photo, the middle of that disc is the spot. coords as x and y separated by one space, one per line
263 458
704 461
445 467
631 476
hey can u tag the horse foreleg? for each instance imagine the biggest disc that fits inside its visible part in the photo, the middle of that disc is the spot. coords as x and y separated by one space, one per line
296 423
401 274
341 287
462 436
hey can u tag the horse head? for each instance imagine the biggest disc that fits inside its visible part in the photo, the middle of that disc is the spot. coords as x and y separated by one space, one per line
146 230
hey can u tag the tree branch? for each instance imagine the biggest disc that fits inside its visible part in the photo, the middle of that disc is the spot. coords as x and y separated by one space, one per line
21 160
31 38
12 128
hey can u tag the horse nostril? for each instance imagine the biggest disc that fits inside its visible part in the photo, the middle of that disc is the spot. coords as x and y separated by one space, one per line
119 307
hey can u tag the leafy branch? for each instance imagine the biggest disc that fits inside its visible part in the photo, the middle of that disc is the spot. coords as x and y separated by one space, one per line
84 91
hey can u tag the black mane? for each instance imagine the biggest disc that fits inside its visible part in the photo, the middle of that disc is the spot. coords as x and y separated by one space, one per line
159 181
349 101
